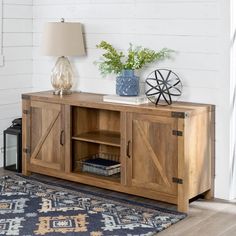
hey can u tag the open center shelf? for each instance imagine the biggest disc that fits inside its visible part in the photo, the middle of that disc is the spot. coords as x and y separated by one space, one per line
111 138
96 144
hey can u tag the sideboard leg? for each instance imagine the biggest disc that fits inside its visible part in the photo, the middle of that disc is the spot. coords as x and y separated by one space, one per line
183 205
26 173
208 195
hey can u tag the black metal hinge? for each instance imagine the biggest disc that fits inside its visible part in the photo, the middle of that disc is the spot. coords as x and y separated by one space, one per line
177 133
177 180
26 150
26 112
178 115
25 96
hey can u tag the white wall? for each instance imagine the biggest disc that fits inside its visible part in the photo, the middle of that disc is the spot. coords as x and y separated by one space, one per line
197 29
16 73
233 98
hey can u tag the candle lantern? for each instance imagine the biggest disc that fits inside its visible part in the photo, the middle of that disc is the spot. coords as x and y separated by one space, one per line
12 146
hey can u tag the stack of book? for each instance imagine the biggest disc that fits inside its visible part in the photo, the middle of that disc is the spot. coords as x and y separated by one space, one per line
136 100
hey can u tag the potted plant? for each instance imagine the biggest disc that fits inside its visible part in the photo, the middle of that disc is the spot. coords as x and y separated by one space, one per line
112 61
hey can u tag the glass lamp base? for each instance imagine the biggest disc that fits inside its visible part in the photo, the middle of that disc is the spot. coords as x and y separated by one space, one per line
62 92
62 77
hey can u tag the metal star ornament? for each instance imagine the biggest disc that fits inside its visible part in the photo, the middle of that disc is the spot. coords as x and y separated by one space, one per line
163 87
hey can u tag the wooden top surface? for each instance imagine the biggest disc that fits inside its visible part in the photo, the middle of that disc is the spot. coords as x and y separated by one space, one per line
96 101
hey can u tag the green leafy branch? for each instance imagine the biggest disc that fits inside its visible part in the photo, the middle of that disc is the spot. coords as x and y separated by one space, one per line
112 60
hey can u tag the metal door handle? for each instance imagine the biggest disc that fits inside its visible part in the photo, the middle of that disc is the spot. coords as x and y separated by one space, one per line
62 138
128 149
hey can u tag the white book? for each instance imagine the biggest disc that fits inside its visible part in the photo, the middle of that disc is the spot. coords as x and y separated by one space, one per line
136 100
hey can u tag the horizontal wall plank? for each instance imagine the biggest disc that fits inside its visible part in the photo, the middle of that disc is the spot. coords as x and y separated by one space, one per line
69 2
59 2
177 27
18 2
179 60
17 25
17 39
18 11
130 11
177 43
168 10
10 96
15 81
17 53
16 67
189 78
84 11
144 26
10 110
172 1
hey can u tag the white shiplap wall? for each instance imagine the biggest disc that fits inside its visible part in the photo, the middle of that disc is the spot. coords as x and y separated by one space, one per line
16 73
196 29
232 97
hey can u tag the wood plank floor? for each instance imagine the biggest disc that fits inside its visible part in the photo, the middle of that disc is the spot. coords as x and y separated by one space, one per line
205 218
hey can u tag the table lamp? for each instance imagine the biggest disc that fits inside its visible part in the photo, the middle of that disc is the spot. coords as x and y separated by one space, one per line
62 39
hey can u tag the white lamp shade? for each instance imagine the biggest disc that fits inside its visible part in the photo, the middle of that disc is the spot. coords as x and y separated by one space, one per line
63 39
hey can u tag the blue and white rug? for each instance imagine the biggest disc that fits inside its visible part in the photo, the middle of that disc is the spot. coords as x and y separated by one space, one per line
29 207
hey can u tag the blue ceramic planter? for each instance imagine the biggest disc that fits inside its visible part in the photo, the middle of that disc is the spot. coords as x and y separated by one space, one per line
127 84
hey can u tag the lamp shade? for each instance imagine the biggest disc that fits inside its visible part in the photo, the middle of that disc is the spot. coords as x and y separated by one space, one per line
63 39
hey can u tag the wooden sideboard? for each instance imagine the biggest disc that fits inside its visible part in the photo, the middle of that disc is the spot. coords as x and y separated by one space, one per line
166 152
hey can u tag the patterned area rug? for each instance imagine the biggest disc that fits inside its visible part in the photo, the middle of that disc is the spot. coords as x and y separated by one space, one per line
29 207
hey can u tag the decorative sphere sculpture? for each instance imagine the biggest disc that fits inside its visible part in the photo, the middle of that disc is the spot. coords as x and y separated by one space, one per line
163 87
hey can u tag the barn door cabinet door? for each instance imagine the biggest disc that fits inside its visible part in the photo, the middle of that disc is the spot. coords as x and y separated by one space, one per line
44 146
152 147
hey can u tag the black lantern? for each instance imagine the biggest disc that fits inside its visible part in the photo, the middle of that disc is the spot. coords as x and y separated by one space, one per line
12 146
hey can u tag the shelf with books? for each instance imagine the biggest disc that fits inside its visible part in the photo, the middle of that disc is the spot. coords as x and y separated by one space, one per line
97 159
